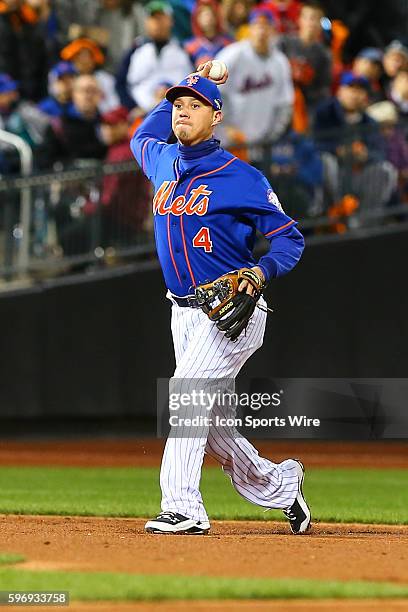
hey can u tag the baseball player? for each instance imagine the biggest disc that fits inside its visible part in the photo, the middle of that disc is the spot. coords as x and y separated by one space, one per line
207 207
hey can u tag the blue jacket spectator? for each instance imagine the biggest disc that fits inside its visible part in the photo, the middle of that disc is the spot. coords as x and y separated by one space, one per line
298 156
60 79
342 120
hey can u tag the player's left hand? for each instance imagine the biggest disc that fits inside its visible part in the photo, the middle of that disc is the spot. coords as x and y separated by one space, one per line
246 287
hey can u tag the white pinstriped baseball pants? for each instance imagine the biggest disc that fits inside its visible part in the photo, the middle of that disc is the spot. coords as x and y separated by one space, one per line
203 353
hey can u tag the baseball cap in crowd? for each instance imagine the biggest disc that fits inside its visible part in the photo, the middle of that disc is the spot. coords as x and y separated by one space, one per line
158 6
69 52
117 115
398 47
61 69
197 86
7 83
261 12
372 54
349 78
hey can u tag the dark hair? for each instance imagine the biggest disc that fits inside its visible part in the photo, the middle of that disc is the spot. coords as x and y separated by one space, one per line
313 4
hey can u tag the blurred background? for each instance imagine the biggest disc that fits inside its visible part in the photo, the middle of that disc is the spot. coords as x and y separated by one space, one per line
317 99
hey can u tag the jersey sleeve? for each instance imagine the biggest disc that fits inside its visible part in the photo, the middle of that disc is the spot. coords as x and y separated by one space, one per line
149 140
266 213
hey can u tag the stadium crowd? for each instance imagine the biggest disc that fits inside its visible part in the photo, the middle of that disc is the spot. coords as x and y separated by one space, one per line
77 78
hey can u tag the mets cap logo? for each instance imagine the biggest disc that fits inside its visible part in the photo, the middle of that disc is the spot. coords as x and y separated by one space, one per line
217 103
192 79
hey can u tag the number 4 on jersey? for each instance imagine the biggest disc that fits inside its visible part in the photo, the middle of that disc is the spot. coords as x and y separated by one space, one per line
202 240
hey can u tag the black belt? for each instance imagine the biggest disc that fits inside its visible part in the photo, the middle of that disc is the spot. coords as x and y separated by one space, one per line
189 301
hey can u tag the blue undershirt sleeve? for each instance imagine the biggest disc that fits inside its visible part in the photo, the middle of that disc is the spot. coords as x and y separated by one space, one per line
150 138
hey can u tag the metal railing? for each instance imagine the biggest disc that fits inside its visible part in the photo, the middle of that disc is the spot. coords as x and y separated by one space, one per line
26 164
95 214
71 223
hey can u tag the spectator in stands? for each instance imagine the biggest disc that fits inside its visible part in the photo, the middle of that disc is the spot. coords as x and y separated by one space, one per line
236 15
396 145
209 36
114 26
347 110
123 21
395 58
286 13
76 12
344 130
259 85
60 81
297 175
310 60
49 27
23 53
20 117
399 93
368 63
124 197
76 134
152 60
88 59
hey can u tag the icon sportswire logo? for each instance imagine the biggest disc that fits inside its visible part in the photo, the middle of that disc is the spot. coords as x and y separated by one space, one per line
196 204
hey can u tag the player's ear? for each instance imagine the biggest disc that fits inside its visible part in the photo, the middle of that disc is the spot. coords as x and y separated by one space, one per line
217 117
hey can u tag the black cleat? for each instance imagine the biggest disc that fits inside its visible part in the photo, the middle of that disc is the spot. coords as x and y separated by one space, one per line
172 522
299 513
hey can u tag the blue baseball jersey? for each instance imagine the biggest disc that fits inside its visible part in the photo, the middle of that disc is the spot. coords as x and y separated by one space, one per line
208 206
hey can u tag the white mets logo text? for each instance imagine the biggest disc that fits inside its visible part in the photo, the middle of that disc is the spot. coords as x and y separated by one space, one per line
196 204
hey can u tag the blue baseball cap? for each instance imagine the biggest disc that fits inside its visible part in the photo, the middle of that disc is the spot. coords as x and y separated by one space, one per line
7 83
60 70
349 78
261 12
198 87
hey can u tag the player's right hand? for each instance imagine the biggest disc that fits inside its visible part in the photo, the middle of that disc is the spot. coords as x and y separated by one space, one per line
204 70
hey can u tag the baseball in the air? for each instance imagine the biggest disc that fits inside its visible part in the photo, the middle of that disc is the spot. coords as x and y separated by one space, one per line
218 70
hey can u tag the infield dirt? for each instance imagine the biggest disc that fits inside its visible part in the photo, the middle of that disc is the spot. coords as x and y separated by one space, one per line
233 549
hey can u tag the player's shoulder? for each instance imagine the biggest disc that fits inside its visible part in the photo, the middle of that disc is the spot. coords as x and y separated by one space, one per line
247 172
167 150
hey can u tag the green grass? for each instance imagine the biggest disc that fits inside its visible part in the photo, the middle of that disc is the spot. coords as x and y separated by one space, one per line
9 558
112 586
336 495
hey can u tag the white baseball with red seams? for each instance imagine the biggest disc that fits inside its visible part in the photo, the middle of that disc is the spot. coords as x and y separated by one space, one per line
218 70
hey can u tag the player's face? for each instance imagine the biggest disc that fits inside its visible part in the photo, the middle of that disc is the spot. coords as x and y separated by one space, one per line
193 121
